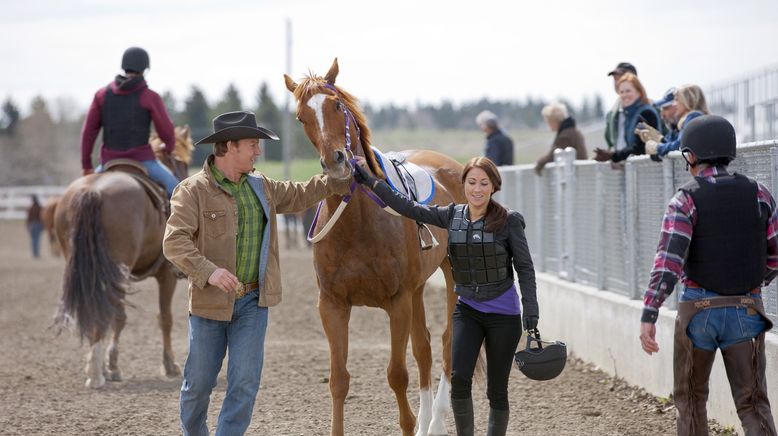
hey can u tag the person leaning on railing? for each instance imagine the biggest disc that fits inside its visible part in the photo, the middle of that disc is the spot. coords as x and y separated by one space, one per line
567 134
689 102
635 107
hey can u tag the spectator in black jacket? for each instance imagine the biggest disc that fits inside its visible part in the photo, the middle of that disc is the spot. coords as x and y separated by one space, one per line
499 147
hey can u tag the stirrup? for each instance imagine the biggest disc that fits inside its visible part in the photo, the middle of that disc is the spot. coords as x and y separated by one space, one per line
424 244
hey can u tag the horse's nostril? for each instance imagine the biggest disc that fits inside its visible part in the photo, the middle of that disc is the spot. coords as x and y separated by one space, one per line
339 156
321 162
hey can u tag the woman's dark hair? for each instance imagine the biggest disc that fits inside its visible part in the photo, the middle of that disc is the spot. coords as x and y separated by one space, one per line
496 215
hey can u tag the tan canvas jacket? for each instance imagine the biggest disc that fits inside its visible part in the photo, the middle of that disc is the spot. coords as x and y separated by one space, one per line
201 230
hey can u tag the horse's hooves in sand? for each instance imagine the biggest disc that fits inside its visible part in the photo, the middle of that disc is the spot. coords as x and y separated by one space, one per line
113 376
171 370
95 384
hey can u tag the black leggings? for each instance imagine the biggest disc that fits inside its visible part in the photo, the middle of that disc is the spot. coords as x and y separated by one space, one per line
471 329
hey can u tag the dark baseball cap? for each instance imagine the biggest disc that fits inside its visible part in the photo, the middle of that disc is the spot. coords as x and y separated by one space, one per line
624 67
666 99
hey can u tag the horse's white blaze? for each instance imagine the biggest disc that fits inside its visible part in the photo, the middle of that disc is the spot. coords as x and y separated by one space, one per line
425 412
317 104
94 367
440 407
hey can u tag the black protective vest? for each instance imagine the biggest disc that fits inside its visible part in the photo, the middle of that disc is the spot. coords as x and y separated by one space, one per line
126 124
728 251
476 259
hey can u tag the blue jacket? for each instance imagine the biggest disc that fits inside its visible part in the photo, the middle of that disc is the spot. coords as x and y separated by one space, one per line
499 148
674 143
633 114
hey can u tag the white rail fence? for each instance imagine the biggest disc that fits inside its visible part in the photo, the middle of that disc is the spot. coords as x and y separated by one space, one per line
15 200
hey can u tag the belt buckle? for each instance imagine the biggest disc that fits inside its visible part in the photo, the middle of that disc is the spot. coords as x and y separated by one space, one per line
240 290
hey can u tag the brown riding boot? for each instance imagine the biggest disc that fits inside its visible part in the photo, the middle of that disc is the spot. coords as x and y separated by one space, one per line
745 364
691 392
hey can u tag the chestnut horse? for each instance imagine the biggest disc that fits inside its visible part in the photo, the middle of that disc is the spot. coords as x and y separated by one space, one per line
110 231
371 258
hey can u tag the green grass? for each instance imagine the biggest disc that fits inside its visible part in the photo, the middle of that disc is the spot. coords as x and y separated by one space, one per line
300 169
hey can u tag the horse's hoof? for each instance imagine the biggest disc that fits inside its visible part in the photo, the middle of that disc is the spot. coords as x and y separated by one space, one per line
171 370
96 383
113 376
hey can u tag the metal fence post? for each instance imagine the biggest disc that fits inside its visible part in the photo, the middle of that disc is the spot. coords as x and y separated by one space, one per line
599 249
559 200
539 223
668 175
569 202
631 229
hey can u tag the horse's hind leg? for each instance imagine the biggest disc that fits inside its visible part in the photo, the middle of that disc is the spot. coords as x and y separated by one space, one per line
400 317
166 279
94 366
334 319
442 403
420 339
112 372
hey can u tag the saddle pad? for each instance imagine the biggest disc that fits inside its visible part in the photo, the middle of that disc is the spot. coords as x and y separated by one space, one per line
406 177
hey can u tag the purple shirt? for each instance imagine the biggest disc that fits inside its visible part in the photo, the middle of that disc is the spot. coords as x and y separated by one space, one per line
505 304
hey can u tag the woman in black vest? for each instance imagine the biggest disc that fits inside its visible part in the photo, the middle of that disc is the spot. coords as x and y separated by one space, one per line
486 242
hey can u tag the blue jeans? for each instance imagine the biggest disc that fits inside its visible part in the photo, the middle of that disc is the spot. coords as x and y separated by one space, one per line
721 327
158 172
209 340
161 174
35 229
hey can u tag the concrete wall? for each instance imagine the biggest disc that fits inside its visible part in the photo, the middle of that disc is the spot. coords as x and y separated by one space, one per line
603 328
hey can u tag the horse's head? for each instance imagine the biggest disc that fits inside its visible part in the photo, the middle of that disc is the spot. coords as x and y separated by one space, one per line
333 122
182 154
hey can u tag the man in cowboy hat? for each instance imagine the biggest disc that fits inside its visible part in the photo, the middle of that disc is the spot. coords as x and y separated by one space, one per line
222 234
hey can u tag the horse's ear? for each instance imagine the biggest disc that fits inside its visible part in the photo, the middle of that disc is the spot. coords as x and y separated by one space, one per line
185 130
290 84
332 73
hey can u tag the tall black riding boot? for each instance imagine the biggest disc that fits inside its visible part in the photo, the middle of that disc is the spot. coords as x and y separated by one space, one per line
498 422
463 415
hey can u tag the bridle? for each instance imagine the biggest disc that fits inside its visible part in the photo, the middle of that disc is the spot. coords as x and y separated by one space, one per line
349 117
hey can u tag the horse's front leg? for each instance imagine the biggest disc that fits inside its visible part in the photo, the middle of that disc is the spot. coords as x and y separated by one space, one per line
334 319
442 404
400 317
166 279
112 371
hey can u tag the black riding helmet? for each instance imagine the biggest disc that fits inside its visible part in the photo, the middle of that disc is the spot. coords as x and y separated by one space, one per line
543 362
135 59
709 137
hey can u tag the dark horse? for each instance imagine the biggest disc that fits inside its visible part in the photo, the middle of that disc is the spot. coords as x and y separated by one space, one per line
111 232
371 258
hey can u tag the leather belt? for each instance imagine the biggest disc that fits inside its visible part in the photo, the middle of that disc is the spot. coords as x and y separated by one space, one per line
245 288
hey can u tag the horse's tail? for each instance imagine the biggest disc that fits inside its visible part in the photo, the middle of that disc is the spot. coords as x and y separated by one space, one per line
94 284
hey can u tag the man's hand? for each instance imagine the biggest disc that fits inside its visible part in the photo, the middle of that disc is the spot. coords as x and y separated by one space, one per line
651 146
648 133
224 280
602 155
88 171
648 338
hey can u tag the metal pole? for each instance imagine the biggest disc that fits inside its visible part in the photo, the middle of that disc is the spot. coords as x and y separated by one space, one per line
630 173
286 125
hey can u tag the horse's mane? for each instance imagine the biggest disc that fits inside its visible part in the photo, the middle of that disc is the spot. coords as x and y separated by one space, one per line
312 84
184 145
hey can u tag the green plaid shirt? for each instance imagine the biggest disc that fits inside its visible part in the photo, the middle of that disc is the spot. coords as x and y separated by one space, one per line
251 223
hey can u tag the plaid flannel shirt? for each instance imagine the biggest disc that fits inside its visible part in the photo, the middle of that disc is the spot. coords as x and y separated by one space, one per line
677 228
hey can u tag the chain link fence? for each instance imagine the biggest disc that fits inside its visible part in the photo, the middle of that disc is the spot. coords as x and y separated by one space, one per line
598 224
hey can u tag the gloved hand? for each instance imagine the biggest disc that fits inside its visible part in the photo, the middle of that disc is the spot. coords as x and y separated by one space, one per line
362 173
651 146
530 322
602 155
648 133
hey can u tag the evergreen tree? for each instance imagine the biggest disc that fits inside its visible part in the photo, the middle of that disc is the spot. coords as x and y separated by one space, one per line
9 118
170 105
231 102
197 112
268 115
598 110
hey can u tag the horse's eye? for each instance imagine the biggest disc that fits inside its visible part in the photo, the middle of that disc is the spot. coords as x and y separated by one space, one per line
298 119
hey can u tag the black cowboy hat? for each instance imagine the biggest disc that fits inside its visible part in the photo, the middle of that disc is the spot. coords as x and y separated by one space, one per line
233 126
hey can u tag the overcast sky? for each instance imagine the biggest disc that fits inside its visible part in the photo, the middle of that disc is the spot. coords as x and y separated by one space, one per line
398 51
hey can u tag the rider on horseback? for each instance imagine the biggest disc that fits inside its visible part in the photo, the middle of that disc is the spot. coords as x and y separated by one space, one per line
124 110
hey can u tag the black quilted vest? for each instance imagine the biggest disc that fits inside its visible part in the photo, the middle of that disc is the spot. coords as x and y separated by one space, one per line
476 258
728 250
126 124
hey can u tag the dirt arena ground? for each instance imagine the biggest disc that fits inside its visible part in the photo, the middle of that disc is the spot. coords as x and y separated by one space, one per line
42 380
